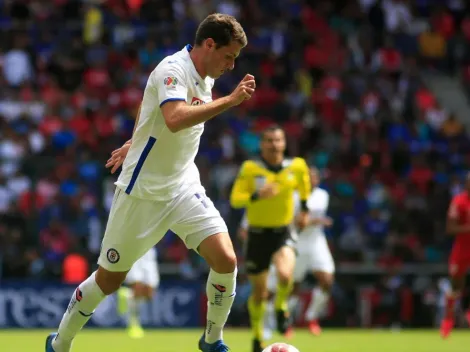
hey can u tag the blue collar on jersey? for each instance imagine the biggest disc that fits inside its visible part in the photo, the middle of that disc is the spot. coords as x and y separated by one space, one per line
189 47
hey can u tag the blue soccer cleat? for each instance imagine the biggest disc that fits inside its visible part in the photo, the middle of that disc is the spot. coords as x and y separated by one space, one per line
49 340
218 346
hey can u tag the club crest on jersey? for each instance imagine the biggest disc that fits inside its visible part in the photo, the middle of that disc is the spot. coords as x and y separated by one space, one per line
170 81
197 101
113 256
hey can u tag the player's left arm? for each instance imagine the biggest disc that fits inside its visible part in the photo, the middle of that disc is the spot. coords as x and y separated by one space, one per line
242 191
304 187
118 155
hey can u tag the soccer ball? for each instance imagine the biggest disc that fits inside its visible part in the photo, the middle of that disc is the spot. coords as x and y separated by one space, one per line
280 347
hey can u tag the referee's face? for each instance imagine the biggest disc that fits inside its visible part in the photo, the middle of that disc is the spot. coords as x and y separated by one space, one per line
273 143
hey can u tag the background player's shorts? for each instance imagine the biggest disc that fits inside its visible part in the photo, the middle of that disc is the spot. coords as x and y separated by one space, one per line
145 270
313 255
135 225
262 243
459 262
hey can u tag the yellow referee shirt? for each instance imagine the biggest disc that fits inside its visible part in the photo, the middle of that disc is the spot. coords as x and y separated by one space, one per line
277 211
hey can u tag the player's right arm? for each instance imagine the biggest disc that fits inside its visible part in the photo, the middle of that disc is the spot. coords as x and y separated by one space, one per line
453 226
173 91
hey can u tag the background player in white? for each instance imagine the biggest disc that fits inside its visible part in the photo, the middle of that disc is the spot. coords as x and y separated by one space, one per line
159 186
314 254
142 281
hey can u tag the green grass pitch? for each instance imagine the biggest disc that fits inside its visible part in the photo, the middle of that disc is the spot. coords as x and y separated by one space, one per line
239 341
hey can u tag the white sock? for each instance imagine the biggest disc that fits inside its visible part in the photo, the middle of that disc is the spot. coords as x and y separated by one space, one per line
220 291
134 309
293 306
317 304
84 300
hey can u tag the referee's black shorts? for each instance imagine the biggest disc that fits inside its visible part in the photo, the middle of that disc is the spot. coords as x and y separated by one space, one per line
262 243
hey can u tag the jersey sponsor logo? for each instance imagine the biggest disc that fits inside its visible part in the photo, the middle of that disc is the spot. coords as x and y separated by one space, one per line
170 81
113 256
197 101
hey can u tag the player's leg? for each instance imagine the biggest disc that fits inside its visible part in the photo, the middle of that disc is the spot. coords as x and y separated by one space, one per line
121 248
319 300
302 267
259 249
199 224
284 260
457 271
270 315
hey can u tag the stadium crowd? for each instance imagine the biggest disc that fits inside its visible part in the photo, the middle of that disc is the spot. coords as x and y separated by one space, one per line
341 77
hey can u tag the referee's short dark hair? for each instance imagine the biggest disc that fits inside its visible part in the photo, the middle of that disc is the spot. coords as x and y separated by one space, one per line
222 28
271 128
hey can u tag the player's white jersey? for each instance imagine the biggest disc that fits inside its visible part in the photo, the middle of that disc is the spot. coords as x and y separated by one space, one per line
160 164
312 246
317 205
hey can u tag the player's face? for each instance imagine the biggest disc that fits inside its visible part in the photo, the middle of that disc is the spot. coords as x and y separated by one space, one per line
273 142
314 177
222 59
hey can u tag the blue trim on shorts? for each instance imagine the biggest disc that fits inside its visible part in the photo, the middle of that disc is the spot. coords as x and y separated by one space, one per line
171 99
140 163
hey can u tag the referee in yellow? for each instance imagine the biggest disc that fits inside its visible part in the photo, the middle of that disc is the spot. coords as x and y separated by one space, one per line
265 187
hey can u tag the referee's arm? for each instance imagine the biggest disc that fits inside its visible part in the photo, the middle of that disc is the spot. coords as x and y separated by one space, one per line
304 188
242 193
304 185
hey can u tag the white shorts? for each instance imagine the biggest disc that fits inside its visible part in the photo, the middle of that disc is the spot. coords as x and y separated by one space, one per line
135 225
145 270
314 255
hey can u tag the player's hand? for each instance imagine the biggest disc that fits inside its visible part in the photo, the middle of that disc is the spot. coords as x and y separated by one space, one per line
269 190
327 221
244 90
118 156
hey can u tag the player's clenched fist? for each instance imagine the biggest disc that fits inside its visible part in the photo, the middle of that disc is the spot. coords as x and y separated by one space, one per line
244 90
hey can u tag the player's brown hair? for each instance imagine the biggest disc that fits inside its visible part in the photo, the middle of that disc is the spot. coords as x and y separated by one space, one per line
222 28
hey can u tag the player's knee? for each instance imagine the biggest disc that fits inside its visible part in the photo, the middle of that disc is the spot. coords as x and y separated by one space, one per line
109 281
148 294
219 254
259 295
225 262
326 283
284 277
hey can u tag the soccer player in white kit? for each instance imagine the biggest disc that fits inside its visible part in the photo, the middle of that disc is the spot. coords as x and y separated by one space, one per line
159 186
314 254
142 281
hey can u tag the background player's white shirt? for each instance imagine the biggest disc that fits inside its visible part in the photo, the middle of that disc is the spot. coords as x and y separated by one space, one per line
317 205
145 270
160 164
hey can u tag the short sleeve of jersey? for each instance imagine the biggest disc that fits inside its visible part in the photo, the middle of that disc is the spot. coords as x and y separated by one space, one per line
169 81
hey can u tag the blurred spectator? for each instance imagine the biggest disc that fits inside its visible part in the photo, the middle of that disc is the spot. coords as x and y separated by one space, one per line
343 80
